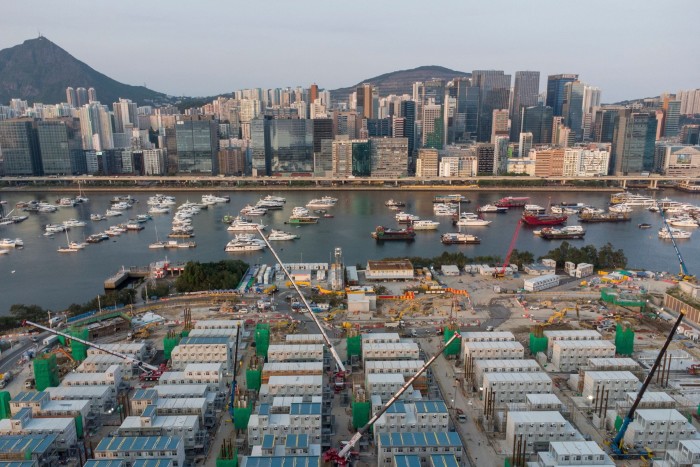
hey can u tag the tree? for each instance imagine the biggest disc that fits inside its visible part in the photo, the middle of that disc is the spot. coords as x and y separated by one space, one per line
521 258
28 312
610 259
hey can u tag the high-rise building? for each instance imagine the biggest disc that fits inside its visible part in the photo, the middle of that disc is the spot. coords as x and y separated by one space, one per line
549 162
60 146
154 161
92 95
672 112
72 97
398 127
322 137
433 126
346 124
408 112
351 157
525 92
690 101
572 108
427 163
197 145
365 100
487 163
538 120
604 126
378 126
96 127
313 93
494 93
690 134
232 161
282 146
389 157
524 144
556 91
125 115
19 147
499 124
82 96
633 142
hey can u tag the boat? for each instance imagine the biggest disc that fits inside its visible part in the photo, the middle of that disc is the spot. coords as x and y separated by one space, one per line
489 208
512 202
228 218
459 238
567 232
302 220
564 210
277 235
451 199
644 226
678 234
124 199
236 246
535 208
269 204
682 222
70 246
471 219
441 209
394 204
97 217
158 209
544 219
213 199
425 225
405 218
143 217
186 245
240 224
66 202
387 234
10 243
300 211
121 206
161 200
603 217
249 210
622 207
323 202
631 199
77 245
67 249
156 245
277 199
134 226
328 216
4 252
97 238
73 223
81 198
112 213
179 234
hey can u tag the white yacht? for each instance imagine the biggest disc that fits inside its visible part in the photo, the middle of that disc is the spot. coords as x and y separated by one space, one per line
324 202
492 208
10 243
622 207
281 235
269 204
241 225
441 209
77 245
112 213
404 217
66 202
213 199
121 206
97 217
54 228
73 223
249 210
677 233
235 246
536 208
157 209
425 225
682 222
300 211
277 199
156 245
632 199
471 219
161 200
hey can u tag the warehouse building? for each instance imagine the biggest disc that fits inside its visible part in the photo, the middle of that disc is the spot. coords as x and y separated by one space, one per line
390 351
133 448
100 397
150 424
569 335
415 417
582 453
384 270
203 350
537 429
295 353
610 385
112 378
508 350
482 367
301 418
422 445
509 388
22 424
211 374
569 356
658 429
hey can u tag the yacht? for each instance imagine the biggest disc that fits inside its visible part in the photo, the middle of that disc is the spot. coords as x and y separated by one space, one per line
622 207
162 200
405 218
682 222
442 209
591 210
77 245
158 209
156 245
471 219
10 243
213 199
632 199
492 208
459 239
121 206
324 202
67 249
125 199
54 228
394 204
300 211
535 208
236 246
112 213
97 217
269 204
677 233
46 208
277 199
253 211
143 217
242 225
281 235
425 225
73 223
302 220
66 203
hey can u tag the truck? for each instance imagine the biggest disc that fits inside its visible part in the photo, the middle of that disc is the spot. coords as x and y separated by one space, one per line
5 378
394 324
50 341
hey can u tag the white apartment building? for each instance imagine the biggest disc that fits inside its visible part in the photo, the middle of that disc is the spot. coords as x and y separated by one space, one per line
569 356
295 353
581 453
100 397
535 284
686 453
613 385
150 424
658 429
380 338
494 336
291 369
203 350
482 367
508 388
538 429
569 335
391 351
211 374
305 386
507 350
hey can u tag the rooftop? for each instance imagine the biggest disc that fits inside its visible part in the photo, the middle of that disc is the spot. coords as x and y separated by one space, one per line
610 376
443 460
505 335
543 416
407 461
162 421
388 265
205 341
139 443
516 377
430 407
442 438
152 463
669 415
105 463
305 408
281 461
37 444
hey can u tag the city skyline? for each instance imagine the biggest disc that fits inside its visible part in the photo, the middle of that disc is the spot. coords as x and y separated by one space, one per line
292 48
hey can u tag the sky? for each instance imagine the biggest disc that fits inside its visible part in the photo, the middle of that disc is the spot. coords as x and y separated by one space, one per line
628 48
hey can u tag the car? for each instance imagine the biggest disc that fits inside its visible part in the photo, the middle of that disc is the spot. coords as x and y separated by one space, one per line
462 418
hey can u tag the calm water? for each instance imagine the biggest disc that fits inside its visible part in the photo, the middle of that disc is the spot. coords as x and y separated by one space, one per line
38 274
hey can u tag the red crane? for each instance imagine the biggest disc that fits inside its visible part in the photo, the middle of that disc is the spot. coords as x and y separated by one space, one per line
502 272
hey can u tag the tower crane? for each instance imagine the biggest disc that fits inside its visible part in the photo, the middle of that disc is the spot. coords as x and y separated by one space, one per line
684 274
340 458
340 371
502 272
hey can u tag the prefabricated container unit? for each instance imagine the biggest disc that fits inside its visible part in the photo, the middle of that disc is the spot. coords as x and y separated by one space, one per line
295 385
295 353
304 339
64 429
101 362
182 390
415 417
538 429
680 359
183 426
407 368
228 333
420 445
611 384
392 351
384 386
291 369
612 364
486 270
535 284
650 400
214 383
542 402
508 350
583 270
221 324
112 378
133 448
513 387
100 397
687 453
136 349
658 429
302 418
570 335
580 452
549 263
203 350
381 338
482 367
569 356
569 268
496 336
261 274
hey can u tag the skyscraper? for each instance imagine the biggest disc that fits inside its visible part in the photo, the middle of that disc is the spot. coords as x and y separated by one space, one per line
282 146
365 100
633 142
124 115
604 127
556 91
92 95
408 112
494 87
71 97
19 146
499 125
60 146
525 92
389 157
313 93
197 146
433 126
572 108
538 120
351 157
96 127
82 95
672 112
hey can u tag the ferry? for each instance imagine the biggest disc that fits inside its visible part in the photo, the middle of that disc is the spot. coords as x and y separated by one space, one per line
567 232
544 219
678 234
512 202
459 239
490 208
387 234
425 225
451 199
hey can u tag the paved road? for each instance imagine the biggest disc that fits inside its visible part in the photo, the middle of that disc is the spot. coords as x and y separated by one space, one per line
8 359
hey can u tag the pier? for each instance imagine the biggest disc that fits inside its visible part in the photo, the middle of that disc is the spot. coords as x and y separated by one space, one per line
123 275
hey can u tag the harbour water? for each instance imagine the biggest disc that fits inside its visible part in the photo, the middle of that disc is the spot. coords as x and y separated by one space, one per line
38 274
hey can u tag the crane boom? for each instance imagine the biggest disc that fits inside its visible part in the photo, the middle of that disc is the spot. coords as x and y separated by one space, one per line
684 269
630 415
334 353
343 454
142 365
502 272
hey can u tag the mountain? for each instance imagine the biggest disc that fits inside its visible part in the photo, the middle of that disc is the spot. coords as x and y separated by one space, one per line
401 82
40 71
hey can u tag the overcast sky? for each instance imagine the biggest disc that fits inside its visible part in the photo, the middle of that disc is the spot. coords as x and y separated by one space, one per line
629 48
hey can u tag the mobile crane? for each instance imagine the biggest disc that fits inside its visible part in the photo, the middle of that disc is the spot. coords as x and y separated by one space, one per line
340 371
149 372
616 443
684 274
502 272
340 458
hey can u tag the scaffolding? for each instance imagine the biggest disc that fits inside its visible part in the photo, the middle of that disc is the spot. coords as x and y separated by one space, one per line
78 349
241 410
455 346
354 344
45 372
79 425
5 405
361 407
228 455
253 375
538 341
262 339
624 339
170 341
